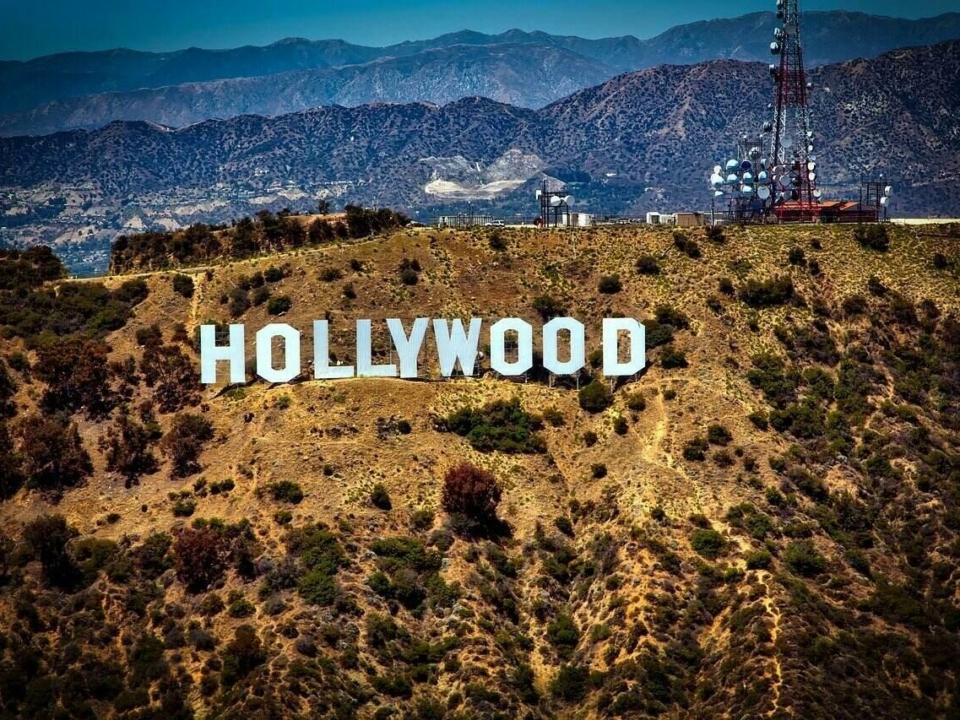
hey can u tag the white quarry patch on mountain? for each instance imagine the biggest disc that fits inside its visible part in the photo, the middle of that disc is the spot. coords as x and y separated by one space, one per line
460 179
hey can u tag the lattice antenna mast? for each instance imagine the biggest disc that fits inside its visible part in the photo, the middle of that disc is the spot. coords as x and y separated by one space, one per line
793 163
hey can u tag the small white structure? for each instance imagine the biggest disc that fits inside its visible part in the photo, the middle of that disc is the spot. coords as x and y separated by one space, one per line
655 218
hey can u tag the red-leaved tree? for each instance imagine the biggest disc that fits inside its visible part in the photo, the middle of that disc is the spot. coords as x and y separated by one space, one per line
471 491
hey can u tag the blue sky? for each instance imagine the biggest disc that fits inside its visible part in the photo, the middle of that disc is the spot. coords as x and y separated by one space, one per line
47 26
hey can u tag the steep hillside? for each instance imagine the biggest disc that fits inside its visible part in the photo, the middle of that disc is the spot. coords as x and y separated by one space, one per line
764 522
90 90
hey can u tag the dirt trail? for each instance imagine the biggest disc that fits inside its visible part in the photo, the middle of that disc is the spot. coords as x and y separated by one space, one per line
197 301
774 612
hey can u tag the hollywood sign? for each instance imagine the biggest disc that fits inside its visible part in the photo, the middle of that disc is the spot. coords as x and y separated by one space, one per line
455 345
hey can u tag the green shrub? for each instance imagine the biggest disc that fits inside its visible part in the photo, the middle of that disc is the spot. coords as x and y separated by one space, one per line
648 265
672 358
183 285
873 236
554 417
595 397
796 256
695 450
571 683
318 588
330 274
708 543
286 491
718 435
380 498
610 285
590 438
804 559
598 471
768 293
620 426
759 560
502 425
564 635
279 304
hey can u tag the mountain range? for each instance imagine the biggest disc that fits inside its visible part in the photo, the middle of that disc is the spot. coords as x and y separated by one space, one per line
527 69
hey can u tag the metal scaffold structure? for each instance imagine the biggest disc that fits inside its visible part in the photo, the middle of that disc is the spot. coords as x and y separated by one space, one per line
774 174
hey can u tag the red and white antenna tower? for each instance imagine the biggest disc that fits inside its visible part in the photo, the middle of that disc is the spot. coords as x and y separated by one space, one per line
792 163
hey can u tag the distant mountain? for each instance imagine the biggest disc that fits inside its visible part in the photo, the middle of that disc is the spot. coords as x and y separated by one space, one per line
522 75
641 141
89 90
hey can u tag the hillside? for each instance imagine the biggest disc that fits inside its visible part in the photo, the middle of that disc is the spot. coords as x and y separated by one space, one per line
764 522
529 69
642 141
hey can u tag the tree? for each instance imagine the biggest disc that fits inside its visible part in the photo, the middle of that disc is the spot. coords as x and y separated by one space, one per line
8 388
174 377
48 535
11 471
471 491
127 449
242 655
184 442
77 375
201 557
54 455
323 206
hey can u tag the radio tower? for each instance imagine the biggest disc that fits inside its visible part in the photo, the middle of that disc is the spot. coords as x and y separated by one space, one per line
773 176
792 163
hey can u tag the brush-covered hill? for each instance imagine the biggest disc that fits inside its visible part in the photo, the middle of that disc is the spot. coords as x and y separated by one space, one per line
765 522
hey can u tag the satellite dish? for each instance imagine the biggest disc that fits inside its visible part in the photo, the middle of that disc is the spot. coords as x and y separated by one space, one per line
568 199
732 165
768 127
718 194
746 166
811 166
747 189
812 176
762 176
773 69
763 162
775 48
748 177
539 194
754 153
763 193
788 142
818 193
717 169
888 191
732 179
884 201
555 201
